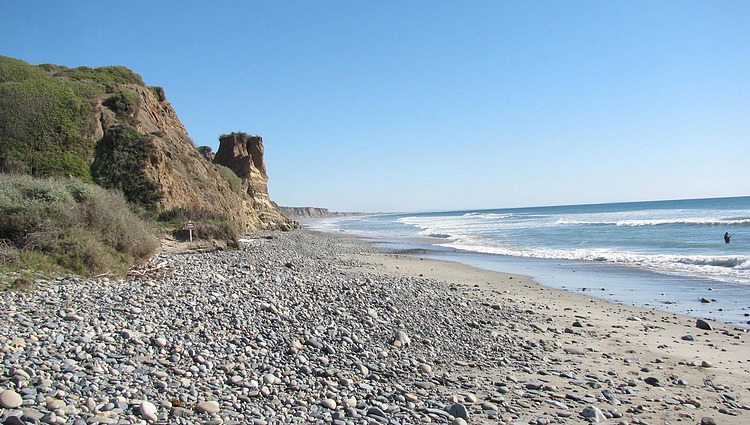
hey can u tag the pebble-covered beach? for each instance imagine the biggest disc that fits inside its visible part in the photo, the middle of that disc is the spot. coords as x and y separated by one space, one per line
303 327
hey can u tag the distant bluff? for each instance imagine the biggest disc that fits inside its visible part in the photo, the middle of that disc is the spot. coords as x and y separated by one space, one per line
105 125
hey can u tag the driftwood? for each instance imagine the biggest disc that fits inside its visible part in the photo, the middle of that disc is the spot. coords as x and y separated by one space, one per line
150 269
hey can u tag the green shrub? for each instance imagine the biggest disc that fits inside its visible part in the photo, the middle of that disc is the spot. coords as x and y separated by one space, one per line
70 225
17 70
47 123
178 216
124 103
121 158
208 231
159 93
227 231
80 252
209 225
235 183
105 75
43 123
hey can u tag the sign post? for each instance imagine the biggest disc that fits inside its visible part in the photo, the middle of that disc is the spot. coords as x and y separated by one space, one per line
189 226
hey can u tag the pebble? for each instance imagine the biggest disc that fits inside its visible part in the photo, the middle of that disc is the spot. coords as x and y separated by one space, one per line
328 403
207 407
702 324
593 414
458 410
148 411
10 399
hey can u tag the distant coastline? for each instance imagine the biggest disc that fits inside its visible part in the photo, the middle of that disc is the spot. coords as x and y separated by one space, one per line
313 212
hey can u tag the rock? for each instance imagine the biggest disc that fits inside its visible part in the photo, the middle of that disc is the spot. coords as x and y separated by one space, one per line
376 411
486 405
312 342
10 399
349 402
401 339
54 404
693 401
702 324
73 318
14 420
458 421
207 407
148 411
593 414
328 403
652 381
535 385
49 418
269 378
708 420
181 412
671 400
687 338
244 155
706 363
458 410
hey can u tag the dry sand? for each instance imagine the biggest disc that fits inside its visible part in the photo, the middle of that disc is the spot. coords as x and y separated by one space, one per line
701 373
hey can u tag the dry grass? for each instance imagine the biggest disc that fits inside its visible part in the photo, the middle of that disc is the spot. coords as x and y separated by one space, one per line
75 226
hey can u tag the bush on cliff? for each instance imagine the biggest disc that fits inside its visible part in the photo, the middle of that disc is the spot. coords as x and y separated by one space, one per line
70 226
41 129
235 183
125 104
121 157
47 119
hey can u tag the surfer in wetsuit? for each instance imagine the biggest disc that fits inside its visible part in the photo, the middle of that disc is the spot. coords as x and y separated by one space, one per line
726 237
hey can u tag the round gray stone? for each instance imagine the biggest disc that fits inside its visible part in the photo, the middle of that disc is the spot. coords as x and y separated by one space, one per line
458 410
10 399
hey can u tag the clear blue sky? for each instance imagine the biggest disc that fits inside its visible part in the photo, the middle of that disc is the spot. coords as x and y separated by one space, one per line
431 105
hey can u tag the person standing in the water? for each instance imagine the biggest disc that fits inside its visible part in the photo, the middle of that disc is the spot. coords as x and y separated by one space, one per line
726 237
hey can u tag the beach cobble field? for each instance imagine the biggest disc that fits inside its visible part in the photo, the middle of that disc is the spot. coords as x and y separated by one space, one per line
293 328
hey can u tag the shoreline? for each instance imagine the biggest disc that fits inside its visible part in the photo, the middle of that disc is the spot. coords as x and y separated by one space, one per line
618 284
597 334
309 327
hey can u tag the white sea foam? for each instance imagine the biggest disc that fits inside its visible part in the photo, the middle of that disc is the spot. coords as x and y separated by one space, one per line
668 239
656 222
734 269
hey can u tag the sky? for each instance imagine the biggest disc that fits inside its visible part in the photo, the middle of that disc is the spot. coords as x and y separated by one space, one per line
379 106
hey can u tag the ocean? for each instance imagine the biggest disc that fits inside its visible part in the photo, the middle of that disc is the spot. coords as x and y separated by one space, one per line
666 255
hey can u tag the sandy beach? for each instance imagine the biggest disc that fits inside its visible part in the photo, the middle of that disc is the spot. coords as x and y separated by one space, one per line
307 327
684 373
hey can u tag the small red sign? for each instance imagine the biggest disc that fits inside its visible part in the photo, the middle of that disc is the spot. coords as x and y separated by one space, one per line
189 225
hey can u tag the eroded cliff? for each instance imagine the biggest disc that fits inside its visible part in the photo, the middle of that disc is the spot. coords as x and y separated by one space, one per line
105 124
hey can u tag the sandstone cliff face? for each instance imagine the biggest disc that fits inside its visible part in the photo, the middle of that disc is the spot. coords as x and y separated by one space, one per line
243 154
188 181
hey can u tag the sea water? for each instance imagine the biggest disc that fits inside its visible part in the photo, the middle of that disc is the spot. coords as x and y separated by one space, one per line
669 255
